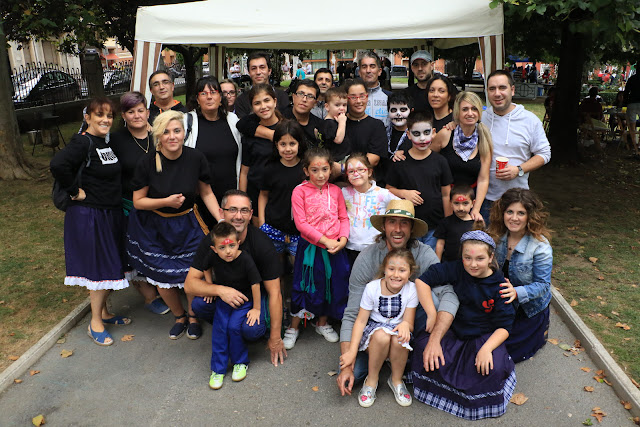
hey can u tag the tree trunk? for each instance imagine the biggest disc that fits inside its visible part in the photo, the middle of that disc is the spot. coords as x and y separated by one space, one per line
13 163
564 117
191 55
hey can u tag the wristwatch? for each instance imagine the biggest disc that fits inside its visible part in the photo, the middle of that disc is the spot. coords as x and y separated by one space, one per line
520 171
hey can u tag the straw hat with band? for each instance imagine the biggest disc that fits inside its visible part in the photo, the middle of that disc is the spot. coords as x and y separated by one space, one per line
401 209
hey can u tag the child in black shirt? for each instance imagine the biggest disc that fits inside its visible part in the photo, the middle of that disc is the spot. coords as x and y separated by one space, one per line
454 226
234 268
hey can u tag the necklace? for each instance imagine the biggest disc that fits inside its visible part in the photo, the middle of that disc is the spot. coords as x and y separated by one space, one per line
146 150
388 290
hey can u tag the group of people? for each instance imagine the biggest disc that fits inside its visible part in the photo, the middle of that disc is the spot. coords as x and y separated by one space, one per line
360 191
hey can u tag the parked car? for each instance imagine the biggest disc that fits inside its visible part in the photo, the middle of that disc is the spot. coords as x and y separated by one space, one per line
399 71
43 87
116 81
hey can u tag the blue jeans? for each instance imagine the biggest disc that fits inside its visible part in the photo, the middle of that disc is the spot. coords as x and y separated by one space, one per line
429 240
485 211
206 312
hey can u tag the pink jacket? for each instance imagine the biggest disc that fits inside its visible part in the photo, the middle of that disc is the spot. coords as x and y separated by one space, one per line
319 213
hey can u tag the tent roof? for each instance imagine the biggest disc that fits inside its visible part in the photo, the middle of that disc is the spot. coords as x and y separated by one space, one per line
262 24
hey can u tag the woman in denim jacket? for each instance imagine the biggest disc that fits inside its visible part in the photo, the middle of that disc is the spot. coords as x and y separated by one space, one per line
518 225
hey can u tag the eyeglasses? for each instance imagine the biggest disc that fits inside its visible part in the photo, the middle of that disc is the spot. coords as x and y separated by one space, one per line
229 92
306 95
356 97
361 171
207 93
233 211
161 82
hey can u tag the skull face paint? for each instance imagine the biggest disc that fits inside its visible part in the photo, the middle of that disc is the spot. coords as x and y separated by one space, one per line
398 114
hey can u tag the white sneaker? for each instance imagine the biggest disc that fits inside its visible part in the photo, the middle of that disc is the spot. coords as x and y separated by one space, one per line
290 338
328 333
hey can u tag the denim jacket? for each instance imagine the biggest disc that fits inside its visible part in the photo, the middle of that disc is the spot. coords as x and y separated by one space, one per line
529 271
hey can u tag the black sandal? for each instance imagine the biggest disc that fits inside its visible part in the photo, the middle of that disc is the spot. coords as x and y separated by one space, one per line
194 330
178 328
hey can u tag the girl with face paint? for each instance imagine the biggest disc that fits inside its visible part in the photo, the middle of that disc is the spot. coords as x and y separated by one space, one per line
363 199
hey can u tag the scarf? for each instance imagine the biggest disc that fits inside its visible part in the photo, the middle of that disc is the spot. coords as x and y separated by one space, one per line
307 271
464 145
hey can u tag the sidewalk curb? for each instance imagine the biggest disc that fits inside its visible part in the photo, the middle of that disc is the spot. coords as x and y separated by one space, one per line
31 356
621 383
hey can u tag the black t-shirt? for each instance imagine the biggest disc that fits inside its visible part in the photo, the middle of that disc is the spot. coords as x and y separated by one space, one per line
279 181
243 103
101 180
315 126
181 175
463 173
450 230
256 153
257 244
419 97
439 124
338 151
427 176
154 110
239 274
367 135
129 150
218 145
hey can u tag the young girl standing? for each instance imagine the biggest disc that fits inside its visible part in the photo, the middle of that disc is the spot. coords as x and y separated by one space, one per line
321 270
387 311
363 199
476 377
280 178
257 151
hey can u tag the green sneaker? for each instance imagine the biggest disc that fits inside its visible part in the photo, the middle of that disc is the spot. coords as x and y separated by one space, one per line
239 372
215 382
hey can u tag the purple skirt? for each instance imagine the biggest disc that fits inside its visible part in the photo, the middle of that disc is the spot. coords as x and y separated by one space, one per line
161 249
315 301
94 248
528 334
457 388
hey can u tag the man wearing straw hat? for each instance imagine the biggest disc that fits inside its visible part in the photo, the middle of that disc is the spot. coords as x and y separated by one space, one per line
399 228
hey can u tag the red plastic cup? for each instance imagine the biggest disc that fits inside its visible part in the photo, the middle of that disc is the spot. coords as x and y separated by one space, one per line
501 163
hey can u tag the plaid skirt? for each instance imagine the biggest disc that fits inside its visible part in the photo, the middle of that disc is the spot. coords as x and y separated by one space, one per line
457 388
374 326
162 248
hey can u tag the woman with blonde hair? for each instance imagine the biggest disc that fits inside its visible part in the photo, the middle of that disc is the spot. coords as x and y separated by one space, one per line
469 149
163 233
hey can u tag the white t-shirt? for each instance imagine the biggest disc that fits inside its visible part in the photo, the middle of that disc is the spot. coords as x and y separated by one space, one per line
360 208
383 306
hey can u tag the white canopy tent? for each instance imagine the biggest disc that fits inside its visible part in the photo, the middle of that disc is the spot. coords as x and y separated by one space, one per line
253 24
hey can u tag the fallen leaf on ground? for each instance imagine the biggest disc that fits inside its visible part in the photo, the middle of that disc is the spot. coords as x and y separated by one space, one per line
636 420
587 422
66 353
12 334
607 382
564 346
13 358
2 302
17 381
615 313
573 303
593 259
635 383
518 399
598 414
575 208
128 337
553 341
33 372
332 373
62 340
64 300
315 388
588 388
598 296
627 405
623 326
586 369
577 344
572 228
600 277
38 421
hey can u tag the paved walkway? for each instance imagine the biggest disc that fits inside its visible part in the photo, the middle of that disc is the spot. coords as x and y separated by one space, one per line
158 382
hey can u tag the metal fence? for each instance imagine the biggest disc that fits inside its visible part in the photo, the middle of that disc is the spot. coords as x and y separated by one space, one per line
41 84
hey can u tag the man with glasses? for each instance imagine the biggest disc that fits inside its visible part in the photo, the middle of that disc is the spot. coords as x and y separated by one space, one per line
161 84
370 68
304 99
422 67
236 209
324 80
259 71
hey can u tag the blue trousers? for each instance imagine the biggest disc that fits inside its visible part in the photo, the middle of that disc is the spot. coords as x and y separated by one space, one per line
226 336
429 239
485 211
206 312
